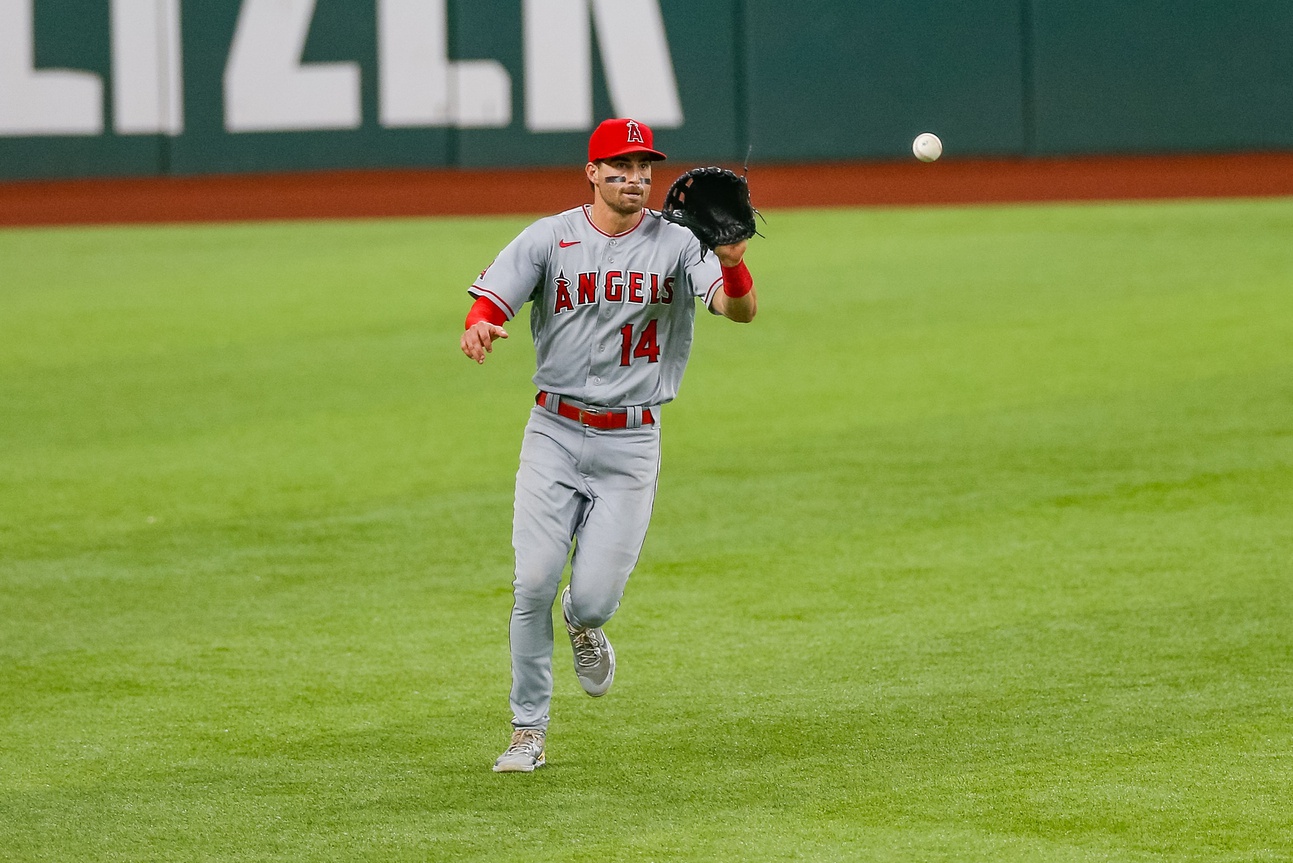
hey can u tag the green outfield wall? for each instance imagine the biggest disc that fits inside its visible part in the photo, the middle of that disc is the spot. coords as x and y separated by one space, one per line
147 87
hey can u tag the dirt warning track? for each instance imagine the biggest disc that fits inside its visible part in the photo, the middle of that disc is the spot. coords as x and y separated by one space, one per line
358 194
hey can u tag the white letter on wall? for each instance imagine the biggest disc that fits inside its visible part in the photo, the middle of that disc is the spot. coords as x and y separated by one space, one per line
268 89
44 102
147 84
559 66
642 85
418 84
558 50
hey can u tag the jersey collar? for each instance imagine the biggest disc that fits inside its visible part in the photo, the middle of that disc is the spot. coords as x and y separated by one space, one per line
589 216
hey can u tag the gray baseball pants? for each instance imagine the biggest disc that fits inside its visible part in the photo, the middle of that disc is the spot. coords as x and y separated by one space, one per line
590 488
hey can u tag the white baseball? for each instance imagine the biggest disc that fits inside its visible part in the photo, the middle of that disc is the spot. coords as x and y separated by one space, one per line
927 147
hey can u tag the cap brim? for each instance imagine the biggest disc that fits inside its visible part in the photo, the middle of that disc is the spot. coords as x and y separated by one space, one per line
653 155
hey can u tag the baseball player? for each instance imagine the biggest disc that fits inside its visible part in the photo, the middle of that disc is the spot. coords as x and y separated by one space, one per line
612 288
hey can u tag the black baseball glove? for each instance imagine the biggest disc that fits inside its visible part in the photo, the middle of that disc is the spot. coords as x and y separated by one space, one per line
714 204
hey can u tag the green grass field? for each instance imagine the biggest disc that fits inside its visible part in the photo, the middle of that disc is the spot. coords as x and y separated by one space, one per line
976 546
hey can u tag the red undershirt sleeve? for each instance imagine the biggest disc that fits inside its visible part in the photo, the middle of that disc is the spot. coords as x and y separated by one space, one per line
484 310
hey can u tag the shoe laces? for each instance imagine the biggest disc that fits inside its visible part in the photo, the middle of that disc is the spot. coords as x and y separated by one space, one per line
526 740
588 647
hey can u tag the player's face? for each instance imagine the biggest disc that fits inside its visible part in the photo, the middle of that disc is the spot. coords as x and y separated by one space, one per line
624 182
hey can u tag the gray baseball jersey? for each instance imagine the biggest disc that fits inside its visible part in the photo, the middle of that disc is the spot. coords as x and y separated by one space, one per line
612 318
612 315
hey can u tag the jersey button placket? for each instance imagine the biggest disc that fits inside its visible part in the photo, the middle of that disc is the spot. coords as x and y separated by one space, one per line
600 362
596 352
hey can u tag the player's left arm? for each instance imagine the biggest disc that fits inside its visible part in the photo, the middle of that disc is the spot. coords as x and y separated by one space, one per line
737 299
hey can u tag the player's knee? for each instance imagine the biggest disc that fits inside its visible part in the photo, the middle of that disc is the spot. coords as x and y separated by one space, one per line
533 588
593 610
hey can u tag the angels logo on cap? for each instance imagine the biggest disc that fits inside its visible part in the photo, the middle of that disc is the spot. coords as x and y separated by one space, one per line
620 137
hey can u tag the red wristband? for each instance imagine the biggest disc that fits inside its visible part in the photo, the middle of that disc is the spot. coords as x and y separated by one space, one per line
737 281
484 310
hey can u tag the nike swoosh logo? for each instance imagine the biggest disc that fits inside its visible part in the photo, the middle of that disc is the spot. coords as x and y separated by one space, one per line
565 244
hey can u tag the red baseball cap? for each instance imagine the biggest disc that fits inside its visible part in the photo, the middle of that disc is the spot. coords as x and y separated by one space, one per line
620 137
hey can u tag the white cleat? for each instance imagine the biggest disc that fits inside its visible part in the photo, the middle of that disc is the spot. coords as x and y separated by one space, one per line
594 656
524 755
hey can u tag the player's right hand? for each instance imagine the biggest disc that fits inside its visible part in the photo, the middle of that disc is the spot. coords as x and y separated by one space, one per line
478 339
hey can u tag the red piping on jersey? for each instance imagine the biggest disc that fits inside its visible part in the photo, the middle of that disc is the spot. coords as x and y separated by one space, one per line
498 301
589 217
485 310
709 292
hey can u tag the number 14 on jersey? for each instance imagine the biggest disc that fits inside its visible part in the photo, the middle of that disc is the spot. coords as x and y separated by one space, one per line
648 346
